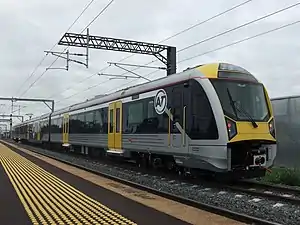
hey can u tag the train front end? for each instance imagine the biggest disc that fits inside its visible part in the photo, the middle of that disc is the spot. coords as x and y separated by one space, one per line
249 121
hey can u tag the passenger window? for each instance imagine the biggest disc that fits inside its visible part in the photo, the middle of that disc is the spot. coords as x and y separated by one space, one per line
111 116
89 122
98 121
118 120
74 124
134 115
135 111
59 125
81 121
104 116
53 126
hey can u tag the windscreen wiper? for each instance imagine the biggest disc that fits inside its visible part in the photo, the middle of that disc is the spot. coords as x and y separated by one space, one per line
240 109
232 103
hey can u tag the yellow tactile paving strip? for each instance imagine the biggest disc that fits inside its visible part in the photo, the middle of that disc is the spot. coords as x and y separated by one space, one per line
49 200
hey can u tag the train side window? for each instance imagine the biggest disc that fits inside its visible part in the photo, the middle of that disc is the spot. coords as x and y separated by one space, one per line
118 120
98 121
202 123
53 126
81 118
280 107
104 116
89 122
150 120
140 117
46 125
135 116
111 122
59 126
74 125
56 126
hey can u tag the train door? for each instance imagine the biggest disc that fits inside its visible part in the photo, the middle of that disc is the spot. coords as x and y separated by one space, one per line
37 131
65 129
115 127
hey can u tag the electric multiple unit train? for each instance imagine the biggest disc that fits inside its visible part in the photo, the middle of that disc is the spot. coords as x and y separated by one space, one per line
215 118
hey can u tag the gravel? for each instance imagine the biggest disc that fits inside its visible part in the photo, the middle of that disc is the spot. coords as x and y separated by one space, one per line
279 212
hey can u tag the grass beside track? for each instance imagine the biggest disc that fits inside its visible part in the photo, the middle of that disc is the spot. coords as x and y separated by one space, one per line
283 175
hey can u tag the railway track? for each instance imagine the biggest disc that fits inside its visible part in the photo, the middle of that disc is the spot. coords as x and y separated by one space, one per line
207 207
276 192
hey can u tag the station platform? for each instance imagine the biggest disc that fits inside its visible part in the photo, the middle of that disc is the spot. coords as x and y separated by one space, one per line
35 192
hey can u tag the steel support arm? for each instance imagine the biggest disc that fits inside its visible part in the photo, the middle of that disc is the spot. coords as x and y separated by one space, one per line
4 120
31 100
114 44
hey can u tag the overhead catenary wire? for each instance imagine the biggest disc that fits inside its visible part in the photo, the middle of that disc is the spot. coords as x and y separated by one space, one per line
240 41
45 56
228 31
216 49
88 88
220 34
240 26
92 21
224 32
79 82
166 39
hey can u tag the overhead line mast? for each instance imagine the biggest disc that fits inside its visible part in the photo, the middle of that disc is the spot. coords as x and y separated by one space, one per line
114 44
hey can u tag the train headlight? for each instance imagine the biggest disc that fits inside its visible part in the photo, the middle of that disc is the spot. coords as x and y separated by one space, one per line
231 128
272 127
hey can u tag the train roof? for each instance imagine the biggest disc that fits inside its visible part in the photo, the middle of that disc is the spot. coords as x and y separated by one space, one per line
210 69
126 92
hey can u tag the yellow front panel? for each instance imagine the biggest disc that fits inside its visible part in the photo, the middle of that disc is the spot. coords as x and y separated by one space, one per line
38 136
247 128
245 131
111 126
210 70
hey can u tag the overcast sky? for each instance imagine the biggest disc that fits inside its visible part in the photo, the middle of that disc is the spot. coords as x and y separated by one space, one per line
30 27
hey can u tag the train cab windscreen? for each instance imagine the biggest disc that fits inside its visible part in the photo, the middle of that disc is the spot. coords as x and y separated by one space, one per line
242 101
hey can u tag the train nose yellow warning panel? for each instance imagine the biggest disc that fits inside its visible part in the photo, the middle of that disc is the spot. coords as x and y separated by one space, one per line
49 200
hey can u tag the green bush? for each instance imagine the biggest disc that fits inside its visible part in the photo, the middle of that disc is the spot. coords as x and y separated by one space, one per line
287 176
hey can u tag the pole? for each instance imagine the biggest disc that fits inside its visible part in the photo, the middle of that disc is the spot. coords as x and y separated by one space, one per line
10 121
87 46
